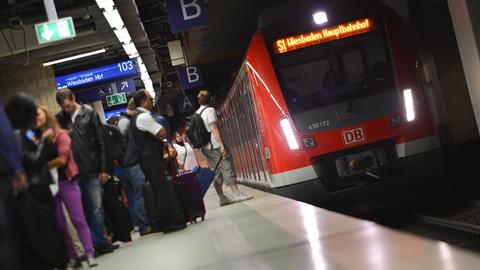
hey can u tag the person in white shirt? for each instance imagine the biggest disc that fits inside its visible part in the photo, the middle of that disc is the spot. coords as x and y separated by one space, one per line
185 155
149 136
225 172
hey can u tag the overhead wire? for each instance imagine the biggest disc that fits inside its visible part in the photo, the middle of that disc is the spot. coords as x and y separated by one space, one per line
25 46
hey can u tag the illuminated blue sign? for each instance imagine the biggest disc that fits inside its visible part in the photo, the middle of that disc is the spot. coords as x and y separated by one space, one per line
106 73
100 92
117 112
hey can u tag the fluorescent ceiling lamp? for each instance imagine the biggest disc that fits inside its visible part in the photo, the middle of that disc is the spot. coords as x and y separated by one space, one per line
152 93
123 35
105 4
73 57
143 69
147 81
114 19
130 49
135 55
320 17
409 108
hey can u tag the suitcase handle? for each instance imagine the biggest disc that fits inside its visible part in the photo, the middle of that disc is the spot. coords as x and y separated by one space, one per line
218 163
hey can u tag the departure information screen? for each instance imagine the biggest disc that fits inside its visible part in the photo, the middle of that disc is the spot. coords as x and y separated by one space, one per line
119 70
345 30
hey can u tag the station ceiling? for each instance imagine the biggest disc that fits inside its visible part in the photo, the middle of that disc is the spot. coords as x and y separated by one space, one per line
230 25
217 47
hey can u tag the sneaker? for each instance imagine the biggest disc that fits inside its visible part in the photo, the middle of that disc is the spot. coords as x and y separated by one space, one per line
121 244
105 248
240 197
91 262
146 231
74 264
224 200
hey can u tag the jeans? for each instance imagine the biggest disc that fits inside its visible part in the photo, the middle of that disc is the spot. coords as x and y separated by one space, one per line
132 180
69 194
92 195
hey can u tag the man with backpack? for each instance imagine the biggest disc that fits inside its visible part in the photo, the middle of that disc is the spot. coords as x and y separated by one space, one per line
132 177
203 131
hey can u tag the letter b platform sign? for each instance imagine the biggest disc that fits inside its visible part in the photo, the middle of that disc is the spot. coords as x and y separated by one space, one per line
186 14
190 77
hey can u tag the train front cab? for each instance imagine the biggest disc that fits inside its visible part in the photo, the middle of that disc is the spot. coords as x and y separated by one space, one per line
310 138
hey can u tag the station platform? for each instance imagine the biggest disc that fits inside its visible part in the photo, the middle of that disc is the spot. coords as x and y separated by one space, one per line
273 232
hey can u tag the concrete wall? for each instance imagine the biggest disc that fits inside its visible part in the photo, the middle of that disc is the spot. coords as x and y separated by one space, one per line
465 19
435 38
33 79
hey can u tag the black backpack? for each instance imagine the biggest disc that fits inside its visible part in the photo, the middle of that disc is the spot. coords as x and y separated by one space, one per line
115 142
196 131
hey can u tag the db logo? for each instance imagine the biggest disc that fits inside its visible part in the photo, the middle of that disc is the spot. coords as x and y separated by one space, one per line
352 136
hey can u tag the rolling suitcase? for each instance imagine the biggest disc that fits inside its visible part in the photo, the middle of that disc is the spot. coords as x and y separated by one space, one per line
205 177
186 184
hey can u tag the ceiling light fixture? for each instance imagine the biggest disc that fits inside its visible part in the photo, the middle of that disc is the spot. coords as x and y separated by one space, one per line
114 19
116 23
105 4
123 35
66 59
320 17
130 49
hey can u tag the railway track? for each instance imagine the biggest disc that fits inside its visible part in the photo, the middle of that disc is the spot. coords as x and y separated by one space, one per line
465 235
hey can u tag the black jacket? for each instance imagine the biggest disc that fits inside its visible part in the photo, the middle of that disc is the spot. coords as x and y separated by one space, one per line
35 160
88 140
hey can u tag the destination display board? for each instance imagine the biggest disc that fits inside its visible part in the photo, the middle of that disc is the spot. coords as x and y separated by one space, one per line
113 72
345 30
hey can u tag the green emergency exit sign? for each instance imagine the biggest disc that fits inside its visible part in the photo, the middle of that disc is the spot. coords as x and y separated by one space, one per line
55 30
116 99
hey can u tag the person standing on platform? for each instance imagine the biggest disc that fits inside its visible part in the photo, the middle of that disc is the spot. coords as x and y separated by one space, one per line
133 178
89 151
214 150
185 155
40 241
69 192
150 136
12 180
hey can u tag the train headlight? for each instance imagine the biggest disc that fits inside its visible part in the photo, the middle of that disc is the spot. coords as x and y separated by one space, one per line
320 17
409 107
289 134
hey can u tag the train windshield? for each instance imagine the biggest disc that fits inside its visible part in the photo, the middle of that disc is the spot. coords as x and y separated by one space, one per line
335 72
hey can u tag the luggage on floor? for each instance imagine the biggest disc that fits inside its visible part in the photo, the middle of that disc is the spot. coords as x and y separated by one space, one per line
186 184
205 177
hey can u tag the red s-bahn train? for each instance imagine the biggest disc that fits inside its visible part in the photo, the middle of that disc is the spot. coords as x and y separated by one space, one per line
327 99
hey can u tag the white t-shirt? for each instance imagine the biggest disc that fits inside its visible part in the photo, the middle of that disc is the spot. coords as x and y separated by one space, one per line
74 115
209 116
145 122
190 161
123 125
